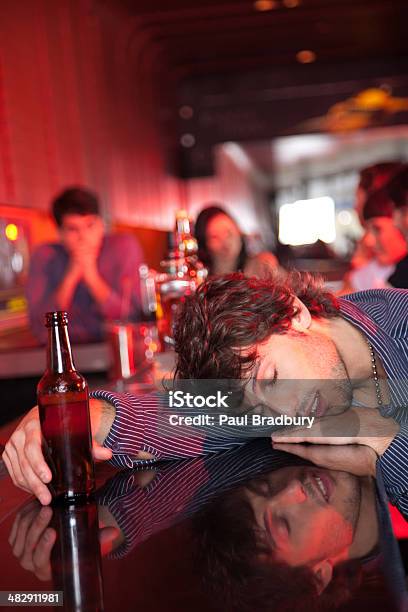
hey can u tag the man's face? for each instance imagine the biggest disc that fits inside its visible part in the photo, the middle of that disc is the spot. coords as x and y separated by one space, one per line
300 373
307 514
386 240
81 232
401 220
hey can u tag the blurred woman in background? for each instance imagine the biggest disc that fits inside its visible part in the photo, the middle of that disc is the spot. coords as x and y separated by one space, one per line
222 246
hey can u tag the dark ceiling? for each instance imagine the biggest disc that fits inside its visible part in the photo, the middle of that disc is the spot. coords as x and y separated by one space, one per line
206 36
231 71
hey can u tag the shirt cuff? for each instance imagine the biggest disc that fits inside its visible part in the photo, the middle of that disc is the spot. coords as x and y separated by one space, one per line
394 466
142 424
127 433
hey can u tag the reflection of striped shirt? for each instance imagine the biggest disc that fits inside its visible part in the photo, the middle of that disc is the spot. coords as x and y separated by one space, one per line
181 488
381 314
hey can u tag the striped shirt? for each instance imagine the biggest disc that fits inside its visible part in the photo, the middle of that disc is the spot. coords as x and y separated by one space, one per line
381 314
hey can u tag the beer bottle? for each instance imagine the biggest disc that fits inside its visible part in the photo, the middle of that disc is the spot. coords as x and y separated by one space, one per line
63 403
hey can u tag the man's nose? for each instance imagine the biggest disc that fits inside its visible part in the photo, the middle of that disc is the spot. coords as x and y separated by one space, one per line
82 234
293 493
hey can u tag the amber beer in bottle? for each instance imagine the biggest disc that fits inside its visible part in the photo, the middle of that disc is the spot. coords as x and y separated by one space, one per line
63 403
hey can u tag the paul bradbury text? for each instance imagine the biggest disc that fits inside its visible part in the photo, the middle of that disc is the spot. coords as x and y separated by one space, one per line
246 420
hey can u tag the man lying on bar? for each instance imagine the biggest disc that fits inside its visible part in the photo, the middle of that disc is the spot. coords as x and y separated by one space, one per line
269 334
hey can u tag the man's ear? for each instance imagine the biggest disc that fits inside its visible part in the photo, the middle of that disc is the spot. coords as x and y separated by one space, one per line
303 319
323 570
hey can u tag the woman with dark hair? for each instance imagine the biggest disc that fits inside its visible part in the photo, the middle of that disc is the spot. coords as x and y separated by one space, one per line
222 246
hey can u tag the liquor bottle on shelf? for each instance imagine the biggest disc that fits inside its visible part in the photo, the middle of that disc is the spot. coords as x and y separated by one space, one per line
63 403
148 327
186 242
180 274
147 293
173 282
187 245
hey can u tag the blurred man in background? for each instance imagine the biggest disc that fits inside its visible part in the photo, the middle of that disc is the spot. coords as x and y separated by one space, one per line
91 275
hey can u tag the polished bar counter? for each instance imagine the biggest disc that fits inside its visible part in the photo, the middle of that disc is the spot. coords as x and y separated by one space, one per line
171 538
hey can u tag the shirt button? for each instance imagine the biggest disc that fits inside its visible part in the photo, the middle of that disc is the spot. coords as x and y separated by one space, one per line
116 446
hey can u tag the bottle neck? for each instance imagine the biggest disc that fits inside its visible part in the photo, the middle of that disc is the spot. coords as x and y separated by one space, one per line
186 242
59 355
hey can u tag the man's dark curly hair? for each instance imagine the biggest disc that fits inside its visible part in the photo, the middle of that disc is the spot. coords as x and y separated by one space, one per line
232 312
74 201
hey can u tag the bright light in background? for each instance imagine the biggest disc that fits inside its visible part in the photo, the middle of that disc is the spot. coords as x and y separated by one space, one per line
307 221
11 231
291 149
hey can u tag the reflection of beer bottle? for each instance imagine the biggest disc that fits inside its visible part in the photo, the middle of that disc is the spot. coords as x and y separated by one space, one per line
63 403
76 557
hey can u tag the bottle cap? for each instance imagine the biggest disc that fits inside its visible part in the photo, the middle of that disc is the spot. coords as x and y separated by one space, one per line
181 214
59 317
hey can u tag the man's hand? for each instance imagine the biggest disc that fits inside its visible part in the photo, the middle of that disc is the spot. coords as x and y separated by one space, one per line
364 426
23 454
86 256
32 539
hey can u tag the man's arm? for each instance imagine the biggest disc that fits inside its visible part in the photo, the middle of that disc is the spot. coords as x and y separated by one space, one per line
131 428
128 426
141 430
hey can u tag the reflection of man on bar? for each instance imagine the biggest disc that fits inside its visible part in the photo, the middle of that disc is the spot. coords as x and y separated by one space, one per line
88 274
267 529
254 330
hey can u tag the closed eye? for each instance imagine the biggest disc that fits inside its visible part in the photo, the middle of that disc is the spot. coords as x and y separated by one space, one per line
268 383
